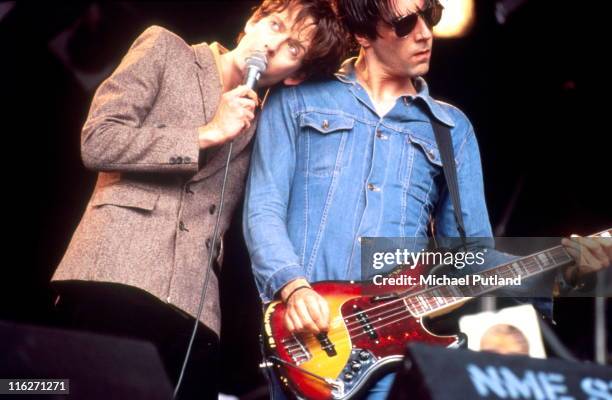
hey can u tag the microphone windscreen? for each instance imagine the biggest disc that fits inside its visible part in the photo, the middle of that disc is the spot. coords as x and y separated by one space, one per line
257 60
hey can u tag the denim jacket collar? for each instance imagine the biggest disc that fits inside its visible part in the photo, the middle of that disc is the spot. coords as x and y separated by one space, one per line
346 74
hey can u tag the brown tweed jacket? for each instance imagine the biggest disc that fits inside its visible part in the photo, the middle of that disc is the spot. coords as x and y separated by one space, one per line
150 220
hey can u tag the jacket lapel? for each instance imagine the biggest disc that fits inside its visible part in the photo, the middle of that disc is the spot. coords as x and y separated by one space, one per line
210 90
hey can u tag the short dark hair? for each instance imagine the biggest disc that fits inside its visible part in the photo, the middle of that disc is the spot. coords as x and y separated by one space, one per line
330 42
361 17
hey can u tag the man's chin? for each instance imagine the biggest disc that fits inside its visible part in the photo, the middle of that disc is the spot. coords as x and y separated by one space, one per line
419 70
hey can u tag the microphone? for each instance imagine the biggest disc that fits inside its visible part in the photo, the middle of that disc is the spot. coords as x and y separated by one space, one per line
256 64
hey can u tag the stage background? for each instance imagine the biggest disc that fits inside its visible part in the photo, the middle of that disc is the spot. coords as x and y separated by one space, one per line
530 87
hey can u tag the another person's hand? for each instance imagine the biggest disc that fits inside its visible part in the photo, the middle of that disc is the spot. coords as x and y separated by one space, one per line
307 311
591 254
234 115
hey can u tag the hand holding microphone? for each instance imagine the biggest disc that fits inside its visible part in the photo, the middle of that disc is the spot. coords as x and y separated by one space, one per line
236 109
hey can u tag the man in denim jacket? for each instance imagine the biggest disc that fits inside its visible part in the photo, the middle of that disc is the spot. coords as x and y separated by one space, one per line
355 157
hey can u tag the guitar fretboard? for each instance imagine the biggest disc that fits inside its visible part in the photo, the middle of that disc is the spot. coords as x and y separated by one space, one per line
438 297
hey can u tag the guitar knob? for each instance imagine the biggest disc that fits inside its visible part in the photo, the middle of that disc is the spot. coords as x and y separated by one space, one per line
348 377
356 366
364 355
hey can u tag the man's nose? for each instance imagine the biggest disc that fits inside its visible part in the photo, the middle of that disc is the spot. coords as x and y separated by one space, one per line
422 31
273 43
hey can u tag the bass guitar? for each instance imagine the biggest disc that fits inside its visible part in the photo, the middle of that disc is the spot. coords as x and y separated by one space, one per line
370 328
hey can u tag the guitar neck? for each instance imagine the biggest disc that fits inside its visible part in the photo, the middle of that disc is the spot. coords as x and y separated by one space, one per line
436 298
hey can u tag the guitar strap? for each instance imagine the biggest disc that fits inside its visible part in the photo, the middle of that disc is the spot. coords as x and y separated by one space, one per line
447 155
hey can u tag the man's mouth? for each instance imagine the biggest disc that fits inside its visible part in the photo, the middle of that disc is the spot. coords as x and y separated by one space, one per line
422 53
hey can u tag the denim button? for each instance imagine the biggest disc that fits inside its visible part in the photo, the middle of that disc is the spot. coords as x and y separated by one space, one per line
372 187
381 135
186 160
172 160
179 160
325 124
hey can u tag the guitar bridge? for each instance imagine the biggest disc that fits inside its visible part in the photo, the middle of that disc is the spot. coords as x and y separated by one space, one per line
299 354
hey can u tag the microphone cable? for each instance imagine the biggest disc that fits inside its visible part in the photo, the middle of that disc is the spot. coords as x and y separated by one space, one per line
208 272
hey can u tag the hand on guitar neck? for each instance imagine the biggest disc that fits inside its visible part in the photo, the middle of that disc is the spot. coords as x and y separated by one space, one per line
590 253
307 311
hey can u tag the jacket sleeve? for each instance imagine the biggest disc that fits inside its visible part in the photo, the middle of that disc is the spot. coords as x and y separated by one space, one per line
477 225
273 162
115 136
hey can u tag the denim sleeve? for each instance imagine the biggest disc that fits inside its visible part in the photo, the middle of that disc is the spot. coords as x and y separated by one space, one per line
273 258
471 193
476 219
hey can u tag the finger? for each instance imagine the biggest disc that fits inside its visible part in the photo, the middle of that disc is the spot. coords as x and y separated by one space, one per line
594 248
295 319
288 323
305 317
605 246
588 262
247 104
570 243
324 311
251 95
243 91
315 312
248 115
606 243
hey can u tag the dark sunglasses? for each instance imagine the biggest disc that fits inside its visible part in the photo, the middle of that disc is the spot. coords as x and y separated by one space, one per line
431 15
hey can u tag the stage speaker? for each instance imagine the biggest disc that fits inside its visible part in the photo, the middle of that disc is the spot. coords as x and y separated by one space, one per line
98 367
438 373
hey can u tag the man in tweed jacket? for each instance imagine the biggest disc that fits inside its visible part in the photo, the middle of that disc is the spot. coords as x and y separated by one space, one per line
158 132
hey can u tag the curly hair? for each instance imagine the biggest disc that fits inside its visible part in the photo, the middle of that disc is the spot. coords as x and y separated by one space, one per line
331 41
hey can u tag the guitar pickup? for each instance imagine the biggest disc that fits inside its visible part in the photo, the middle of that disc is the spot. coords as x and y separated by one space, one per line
367 327
326 344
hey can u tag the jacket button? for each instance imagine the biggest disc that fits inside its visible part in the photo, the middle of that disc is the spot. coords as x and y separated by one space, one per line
381 135
183 227
179 160
186 160
373 188
172 160
212 209
325 124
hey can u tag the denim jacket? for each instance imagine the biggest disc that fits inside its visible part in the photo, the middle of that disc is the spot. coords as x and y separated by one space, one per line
327 170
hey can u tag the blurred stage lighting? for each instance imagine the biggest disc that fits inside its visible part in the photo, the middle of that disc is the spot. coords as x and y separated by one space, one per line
457 19
6 7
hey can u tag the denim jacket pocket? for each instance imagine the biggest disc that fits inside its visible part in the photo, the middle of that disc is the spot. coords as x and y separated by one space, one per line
430 150
421 164
325 139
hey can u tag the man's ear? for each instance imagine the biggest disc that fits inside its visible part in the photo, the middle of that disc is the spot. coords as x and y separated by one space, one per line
363 41
295 79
